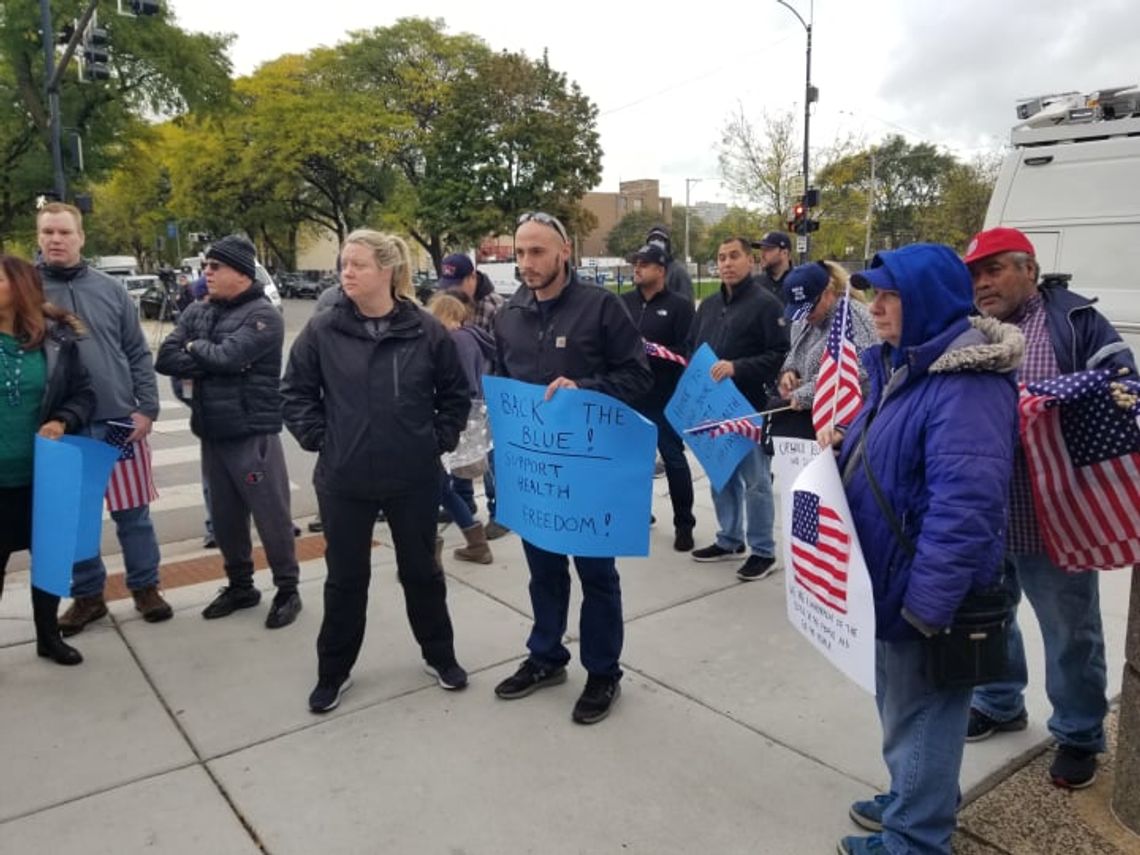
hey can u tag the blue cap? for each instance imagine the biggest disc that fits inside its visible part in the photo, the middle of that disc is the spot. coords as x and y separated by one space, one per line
803 287
454 269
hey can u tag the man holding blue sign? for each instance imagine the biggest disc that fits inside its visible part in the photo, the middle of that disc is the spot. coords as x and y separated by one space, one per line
744 325
559 333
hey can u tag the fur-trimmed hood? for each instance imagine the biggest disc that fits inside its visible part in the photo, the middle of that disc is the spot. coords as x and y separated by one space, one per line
988 345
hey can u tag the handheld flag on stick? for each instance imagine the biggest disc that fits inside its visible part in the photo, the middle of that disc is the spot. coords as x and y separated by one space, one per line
837 393
660 351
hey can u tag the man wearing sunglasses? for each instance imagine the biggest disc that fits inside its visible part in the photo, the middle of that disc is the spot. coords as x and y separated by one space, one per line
565 335
229 349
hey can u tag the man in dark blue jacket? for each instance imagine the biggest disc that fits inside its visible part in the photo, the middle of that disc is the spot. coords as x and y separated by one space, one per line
566 335
1063 334
228 353
663 318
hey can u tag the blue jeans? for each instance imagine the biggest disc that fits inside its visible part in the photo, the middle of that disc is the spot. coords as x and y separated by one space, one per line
137 540
676 469
924 732
1068 609
600 622
745 508
454 503
464 488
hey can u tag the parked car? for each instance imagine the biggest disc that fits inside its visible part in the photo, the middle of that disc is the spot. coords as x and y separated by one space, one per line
137 285
425 286
308 289
159 302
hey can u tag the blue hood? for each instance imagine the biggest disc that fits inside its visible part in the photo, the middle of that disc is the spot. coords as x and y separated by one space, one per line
935 288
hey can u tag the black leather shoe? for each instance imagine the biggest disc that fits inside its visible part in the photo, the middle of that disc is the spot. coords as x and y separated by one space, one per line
58 651
286 606
229 600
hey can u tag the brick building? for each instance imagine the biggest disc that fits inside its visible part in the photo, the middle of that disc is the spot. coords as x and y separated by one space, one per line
641 195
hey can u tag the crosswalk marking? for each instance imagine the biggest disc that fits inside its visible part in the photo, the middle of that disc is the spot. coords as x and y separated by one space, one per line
173 456
172 425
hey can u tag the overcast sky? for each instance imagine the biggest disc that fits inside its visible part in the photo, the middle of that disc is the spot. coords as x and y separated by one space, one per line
936 71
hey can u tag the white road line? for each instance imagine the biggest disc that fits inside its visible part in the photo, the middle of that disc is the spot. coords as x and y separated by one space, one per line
179 496
171 425
174 456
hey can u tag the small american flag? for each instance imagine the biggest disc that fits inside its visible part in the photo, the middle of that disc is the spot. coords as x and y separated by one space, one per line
837 393
1083 454
660 351
132 482
821 549
743 427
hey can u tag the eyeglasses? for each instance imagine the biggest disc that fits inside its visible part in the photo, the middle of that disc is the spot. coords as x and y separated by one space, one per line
214 265
547 220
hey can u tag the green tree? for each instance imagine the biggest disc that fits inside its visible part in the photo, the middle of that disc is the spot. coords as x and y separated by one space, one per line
739 222
628 234
157 69
759 162
697 229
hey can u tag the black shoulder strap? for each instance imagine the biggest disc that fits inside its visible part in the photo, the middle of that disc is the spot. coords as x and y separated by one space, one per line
889 515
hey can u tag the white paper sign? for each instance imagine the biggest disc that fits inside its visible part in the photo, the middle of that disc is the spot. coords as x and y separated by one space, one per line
828 589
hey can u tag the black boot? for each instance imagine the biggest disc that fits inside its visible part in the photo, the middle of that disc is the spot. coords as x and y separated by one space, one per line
49 645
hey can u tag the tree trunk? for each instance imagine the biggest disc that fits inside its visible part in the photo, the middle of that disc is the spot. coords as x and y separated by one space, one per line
1126 790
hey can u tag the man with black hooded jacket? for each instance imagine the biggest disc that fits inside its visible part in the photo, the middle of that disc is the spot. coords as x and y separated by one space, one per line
228 350
744 325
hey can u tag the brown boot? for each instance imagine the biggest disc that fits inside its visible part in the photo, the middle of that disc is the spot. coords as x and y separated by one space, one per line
150 604
477 549
82 611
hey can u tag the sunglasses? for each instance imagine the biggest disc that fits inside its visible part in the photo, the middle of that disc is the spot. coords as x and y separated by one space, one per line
214 265
546 220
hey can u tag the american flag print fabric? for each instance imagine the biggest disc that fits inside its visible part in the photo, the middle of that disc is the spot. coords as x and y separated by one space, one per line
132 481
660 351
1082 449
821 550
741 427
837 393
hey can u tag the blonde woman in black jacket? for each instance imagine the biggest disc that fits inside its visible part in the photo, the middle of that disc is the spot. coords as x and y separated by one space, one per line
375 386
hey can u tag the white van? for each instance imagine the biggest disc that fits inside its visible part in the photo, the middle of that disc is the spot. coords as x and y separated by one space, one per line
503 275
1070 184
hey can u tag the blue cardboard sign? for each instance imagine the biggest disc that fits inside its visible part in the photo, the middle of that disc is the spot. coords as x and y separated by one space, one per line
69 479
698 399
574 474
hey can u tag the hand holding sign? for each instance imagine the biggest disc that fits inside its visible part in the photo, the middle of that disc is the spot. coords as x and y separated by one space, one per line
573 473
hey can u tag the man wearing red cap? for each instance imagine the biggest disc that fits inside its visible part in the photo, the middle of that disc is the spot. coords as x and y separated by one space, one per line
1063 334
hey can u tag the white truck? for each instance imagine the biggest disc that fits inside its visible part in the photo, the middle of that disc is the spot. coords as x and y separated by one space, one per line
1072 184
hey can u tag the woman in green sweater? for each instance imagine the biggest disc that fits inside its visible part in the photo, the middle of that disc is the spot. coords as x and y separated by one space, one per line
45 390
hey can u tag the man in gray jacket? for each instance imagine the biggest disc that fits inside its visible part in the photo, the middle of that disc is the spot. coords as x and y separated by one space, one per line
116 355
227 351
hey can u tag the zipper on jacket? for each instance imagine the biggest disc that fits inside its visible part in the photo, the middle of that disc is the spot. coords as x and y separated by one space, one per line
396 374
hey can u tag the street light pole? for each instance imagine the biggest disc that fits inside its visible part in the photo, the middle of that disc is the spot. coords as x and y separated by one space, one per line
688 182
810 95
51 92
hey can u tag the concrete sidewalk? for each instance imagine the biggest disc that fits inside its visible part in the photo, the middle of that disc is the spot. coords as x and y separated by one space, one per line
732 734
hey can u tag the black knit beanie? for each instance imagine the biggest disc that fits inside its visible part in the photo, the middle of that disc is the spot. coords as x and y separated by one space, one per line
235 251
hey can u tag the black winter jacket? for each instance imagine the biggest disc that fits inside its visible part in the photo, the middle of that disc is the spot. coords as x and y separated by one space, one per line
665 319
232 351
379 409
586 336
745 326
68 394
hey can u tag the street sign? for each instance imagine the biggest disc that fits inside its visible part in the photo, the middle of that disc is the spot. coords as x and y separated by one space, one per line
801 243
172 229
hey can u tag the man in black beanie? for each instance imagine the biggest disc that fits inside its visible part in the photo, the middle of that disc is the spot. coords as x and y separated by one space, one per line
227 350
677 277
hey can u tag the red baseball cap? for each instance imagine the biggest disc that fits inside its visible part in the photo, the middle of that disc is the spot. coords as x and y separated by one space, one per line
996 241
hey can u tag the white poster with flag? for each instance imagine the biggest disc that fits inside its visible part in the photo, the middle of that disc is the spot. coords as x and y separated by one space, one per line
828 589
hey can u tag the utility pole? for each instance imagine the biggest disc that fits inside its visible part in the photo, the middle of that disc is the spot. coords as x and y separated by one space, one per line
688 182
870 213
810 95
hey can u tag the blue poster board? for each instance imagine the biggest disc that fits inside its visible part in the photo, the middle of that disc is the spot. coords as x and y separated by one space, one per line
699 399
69 480
574 474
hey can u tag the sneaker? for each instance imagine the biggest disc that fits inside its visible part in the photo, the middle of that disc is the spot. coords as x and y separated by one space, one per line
869 814
326 696
981 726
717 553
756 567
451 677
82 611
597 699
494 531
856 845
284 610
229 600
683 540
1073 768
316 526
529 679
150 604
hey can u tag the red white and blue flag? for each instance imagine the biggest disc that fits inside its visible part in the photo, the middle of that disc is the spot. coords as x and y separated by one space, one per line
132 482
742 427
660 351
821 550
837 393
1082 448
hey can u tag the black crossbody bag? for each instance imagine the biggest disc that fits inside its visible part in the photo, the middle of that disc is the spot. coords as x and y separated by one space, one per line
973 649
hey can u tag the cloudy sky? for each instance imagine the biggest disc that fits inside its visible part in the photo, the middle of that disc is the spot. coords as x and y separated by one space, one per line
664 83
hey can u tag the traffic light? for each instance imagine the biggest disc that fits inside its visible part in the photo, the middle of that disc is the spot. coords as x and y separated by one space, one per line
796 219
94 53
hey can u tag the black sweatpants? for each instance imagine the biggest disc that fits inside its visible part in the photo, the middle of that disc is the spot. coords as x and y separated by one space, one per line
247 477
348 555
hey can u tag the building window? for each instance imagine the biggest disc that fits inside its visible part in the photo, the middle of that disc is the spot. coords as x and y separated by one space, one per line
637 204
